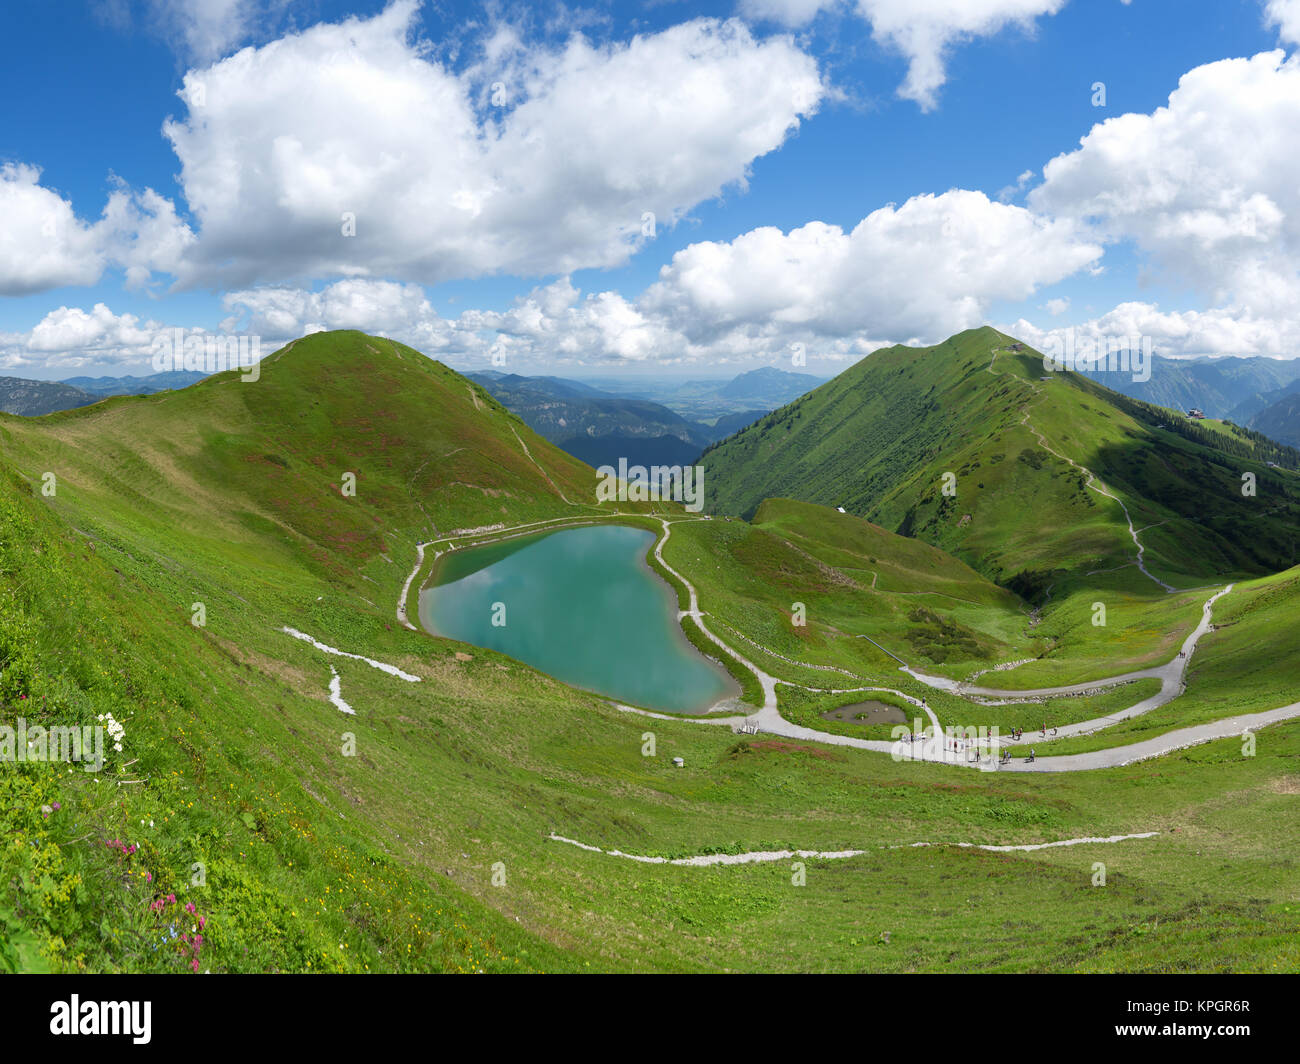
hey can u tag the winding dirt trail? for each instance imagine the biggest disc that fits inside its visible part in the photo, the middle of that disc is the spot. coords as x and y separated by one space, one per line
529 455
1093 481
1169 742
939 748
1101 489
766 681
1171 676
406 587
933 745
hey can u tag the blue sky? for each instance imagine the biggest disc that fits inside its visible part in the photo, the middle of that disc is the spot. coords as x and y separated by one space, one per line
90 84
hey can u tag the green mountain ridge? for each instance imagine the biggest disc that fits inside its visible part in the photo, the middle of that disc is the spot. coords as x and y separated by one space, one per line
943 443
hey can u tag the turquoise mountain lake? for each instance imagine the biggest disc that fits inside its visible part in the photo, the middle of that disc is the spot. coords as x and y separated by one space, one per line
582 605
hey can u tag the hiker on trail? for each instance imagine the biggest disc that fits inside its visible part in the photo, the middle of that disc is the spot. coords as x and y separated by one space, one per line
1032 754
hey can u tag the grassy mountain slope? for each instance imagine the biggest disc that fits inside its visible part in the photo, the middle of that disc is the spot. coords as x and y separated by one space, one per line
853 580
235 461
1242 666
316 862
879 439
428 847
229 496
872 597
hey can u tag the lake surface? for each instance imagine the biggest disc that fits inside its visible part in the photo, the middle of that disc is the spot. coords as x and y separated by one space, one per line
582 605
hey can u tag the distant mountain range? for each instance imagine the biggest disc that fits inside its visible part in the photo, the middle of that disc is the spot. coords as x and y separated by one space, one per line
34 398
1235 389
1256 393
561 409
769 385
1280 420
155 382
706 400
600 425
731 423
599 451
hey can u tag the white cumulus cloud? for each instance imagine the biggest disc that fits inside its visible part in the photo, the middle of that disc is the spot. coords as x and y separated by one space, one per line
1285 16
1205 186
70 338
536 161
1178 334
43 244
923 31
928 268
919 271
282 313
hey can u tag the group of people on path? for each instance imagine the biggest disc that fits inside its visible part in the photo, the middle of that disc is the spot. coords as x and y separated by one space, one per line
1006 756
1019 733
954 745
